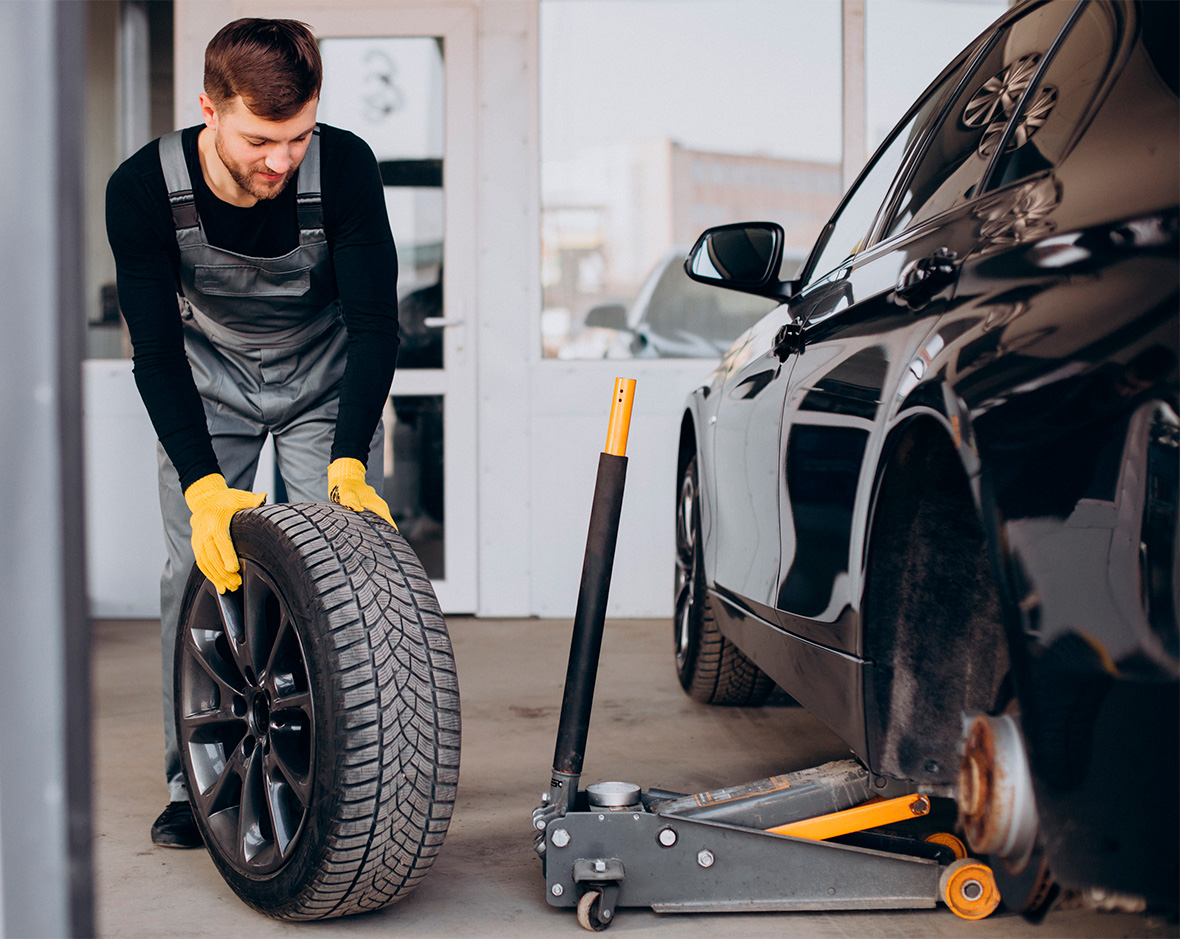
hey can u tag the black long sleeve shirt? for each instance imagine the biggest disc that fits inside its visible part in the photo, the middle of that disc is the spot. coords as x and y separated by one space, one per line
147 262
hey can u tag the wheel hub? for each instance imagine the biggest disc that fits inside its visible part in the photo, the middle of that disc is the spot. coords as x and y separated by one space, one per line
995 792
260 714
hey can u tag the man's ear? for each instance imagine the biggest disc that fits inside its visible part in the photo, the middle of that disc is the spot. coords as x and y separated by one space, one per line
208 111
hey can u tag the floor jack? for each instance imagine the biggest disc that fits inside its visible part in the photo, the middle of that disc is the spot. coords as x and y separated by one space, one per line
808 840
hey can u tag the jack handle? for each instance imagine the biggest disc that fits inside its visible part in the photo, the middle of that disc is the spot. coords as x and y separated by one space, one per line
590 615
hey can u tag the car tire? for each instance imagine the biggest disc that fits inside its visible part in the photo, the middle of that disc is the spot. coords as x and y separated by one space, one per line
710 667
317 714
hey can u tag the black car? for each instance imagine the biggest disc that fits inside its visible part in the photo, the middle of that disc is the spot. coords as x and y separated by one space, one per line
933 494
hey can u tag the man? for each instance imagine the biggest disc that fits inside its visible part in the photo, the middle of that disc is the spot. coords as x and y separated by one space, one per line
257 275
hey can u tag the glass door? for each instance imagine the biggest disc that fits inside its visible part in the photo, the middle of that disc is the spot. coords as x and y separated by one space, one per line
402 81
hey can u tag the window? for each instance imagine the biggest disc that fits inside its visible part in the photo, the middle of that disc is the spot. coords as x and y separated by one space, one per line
929 31
660 118
851 226
960 150
1054 113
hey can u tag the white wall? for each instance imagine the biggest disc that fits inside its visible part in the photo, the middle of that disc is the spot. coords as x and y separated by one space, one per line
124 537
569 415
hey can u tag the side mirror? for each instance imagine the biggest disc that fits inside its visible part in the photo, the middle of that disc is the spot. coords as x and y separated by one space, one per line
607 316
744 257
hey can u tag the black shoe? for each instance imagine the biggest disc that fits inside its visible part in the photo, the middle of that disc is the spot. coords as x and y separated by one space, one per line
176 827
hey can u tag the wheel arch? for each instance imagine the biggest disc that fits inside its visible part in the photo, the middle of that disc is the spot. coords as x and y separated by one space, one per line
932 628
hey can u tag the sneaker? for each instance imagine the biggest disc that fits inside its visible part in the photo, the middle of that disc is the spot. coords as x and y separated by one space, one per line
176 827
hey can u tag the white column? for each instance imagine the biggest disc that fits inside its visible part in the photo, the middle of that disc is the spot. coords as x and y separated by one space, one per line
45 866
853 31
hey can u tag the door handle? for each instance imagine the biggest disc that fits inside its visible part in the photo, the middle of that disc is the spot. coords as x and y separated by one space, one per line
787 340
437 322
920 280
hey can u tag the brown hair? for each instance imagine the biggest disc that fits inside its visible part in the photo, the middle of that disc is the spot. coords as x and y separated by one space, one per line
273 64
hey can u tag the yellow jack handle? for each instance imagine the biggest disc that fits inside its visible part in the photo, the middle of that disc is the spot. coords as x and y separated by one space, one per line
620 417
871 814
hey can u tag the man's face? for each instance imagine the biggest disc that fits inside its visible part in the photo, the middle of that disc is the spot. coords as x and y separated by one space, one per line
260 155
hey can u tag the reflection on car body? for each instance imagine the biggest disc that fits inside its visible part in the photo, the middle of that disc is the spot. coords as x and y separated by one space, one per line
940 478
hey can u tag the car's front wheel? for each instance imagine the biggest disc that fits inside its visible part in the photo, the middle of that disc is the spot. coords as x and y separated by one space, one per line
710 667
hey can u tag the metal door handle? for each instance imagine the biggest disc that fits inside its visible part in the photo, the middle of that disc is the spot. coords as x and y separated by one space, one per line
922 279
787 340
438 322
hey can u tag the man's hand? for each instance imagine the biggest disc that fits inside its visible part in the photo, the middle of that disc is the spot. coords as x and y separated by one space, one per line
213 504
347 486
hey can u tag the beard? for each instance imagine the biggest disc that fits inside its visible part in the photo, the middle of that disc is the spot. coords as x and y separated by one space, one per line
248 178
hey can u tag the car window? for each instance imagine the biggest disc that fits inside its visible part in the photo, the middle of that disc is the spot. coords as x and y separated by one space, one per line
952 165
847 231
1055 113
680 306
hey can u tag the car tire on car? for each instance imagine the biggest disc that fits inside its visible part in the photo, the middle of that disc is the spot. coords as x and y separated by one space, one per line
317 714
710 667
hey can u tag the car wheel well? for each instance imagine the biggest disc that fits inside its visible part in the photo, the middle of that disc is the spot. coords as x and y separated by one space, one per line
933 632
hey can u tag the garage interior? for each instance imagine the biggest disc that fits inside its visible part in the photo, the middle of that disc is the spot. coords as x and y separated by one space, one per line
487 880
75 858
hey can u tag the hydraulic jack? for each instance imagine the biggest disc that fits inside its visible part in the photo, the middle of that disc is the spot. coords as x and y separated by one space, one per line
808 840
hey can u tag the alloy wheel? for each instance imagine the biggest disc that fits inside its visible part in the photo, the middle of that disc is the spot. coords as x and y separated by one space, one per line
246 722
686 565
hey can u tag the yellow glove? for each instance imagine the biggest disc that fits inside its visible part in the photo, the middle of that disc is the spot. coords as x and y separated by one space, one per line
213 504
347 486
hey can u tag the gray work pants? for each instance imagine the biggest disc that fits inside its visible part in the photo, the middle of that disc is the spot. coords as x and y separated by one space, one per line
302 448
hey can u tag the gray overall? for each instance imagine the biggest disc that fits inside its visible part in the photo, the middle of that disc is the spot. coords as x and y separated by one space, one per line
267 345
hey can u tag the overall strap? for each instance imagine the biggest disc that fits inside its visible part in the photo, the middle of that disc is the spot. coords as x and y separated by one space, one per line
180 185
307 198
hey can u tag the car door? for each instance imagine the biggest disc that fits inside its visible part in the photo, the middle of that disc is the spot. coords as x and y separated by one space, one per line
744 545
870 318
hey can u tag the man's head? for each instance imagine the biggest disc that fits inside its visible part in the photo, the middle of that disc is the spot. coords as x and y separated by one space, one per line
272 65
262 85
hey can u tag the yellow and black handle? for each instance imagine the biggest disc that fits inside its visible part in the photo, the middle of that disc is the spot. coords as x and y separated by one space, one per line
590 615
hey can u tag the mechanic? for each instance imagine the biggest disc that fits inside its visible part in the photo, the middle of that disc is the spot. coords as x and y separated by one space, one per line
257 274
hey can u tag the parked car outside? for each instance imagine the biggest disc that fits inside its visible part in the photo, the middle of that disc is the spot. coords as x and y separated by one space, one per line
673 316
933 493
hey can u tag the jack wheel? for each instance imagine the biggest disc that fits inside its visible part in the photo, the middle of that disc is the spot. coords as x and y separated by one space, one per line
588 911
969 889
947 840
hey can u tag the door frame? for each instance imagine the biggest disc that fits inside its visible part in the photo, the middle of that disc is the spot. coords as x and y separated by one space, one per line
196 23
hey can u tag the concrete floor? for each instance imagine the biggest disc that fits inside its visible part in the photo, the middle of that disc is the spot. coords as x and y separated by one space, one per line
487 882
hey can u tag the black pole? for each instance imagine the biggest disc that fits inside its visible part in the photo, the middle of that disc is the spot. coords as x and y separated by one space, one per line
590 616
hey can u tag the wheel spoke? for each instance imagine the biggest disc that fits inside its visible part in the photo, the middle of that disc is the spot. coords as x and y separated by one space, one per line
260 606
255 844
223 714
297 777
212 663
228 782
282 788
686 524
256 592
229 611
284 634
297 702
